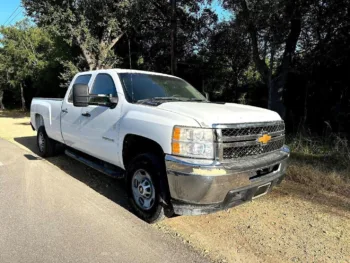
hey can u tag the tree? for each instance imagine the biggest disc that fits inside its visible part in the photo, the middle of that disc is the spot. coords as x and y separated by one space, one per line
23 55
95 26
173 37
3 82
227 58
152 45
274 28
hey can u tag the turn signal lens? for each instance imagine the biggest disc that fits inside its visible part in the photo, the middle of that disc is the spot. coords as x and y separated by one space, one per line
176 134
176 148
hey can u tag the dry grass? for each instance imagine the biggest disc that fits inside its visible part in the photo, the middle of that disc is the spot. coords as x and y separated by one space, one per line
320 163
14 114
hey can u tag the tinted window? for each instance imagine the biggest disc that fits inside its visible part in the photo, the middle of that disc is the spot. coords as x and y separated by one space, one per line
82 79
104 84
146 86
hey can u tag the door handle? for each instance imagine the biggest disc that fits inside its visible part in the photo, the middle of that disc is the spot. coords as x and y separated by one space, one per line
86 114
65 110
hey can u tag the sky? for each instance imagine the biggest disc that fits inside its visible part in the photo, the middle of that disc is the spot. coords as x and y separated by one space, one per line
9 14
222 13
7 7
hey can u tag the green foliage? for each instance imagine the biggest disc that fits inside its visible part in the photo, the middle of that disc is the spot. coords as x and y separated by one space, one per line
30 60
93 25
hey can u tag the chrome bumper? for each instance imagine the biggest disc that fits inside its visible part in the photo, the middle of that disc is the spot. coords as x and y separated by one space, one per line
204 182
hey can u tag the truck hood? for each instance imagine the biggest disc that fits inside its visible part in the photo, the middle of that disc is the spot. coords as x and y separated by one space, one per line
208 114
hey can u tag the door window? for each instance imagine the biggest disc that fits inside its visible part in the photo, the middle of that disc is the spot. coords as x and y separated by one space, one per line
104 84
82 79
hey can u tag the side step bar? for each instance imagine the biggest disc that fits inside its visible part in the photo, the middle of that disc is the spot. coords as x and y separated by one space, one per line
107 169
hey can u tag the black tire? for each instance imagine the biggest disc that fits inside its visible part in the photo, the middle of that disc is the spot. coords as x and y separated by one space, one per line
46 146
155 168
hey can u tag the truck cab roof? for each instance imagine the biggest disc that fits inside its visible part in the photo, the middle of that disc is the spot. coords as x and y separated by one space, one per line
120 70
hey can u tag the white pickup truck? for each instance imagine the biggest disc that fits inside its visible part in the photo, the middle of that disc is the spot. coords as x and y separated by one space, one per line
178 152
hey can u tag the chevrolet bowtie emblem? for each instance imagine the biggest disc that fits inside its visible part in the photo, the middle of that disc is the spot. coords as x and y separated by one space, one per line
264 139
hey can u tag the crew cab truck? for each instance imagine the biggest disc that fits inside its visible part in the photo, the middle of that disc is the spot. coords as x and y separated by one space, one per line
178 152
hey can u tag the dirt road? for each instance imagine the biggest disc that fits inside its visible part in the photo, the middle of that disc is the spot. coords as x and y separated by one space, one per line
292 224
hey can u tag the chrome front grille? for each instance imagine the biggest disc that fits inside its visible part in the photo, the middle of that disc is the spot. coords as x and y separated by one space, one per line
238 132
251 150
242 140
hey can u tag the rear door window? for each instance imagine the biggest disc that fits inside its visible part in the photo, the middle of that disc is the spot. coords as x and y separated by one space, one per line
104 84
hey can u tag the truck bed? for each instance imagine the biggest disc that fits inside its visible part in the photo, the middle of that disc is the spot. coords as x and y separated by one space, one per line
47 110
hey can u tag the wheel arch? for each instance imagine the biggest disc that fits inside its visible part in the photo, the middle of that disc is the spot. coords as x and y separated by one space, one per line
39 121
134 145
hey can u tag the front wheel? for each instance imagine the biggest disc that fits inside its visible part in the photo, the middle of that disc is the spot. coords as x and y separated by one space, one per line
144 188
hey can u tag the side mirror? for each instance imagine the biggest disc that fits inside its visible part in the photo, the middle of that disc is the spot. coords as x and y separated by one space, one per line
80 95
82 98
114 100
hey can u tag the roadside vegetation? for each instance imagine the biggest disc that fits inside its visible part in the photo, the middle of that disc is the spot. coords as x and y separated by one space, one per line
321 163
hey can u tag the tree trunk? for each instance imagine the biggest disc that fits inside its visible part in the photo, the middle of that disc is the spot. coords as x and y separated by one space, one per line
278 85
22 98
2 106
276 103
173 37
305 104
269 82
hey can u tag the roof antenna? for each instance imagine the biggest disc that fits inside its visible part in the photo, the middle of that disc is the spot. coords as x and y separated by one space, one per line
131 73
129 53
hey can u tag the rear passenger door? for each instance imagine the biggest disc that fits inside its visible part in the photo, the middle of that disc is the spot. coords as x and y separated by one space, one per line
99 126
71 116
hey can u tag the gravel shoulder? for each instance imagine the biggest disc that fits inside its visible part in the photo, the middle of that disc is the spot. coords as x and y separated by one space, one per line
292 224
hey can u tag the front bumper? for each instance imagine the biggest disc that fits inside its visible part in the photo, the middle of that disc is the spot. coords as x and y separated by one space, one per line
203 186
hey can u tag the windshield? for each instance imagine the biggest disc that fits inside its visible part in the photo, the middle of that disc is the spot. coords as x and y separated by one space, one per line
139 86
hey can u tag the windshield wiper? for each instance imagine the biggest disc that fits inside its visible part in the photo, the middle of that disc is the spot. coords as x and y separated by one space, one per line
162 98
171 99
194 99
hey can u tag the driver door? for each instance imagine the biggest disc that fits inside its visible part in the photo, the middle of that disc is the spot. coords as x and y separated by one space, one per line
99 124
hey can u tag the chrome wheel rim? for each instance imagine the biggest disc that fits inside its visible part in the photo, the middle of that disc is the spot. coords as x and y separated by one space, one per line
143 189
41 142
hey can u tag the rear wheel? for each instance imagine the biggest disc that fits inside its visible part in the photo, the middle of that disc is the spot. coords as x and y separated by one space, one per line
46 146
144 187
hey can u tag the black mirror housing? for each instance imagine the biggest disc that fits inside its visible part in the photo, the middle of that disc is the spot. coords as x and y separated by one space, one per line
82 98
80 95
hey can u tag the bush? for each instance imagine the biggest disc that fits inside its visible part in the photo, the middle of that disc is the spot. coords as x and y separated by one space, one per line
320 162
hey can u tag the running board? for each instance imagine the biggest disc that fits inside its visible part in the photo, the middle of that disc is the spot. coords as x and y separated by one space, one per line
96 164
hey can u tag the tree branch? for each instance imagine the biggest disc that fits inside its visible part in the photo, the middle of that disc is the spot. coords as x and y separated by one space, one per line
115 41
86 53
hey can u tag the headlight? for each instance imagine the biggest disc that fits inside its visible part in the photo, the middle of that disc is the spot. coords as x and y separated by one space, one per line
193 142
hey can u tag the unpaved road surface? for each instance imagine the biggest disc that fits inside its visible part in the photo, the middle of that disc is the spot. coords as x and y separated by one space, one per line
292 224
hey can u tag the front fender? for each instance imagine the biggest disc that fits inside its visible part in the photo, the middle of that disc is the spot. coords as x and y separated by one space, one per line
152 123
